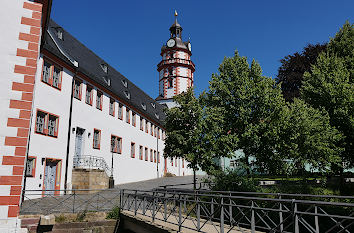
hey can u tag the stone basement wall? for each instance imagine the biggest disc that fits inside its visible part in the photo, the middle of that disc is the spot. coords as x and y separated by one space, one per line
89 179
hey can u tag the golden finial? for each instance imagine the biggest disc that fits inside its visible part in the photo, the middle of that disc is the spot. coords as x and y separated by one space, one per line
176 13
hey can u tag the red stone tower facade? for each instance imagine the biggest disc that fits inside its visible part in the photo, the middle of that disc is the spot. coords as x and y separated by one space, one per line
176 68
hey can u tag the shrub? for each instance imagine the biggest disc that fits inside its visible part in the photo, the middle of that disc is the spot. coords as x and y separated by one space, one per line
114 213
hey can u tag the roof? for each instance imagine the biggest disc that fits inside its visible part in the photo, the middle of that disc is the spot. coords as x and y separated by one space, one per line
91 65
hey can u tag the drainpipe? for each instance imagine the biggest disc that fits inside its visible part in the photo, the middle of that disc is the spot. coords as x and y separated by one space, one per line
157 152
69 134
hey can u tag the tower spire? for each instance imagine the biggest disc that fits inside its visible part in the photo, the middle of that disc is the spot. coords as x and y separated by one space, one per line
176 29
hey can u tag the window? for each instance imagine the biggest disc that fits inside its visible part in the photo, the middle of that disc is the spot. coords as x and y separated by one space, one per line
77 89
141 124
46 72
182 163
154 156
151 156
146 154
30 167
152 129
158 133
127 112
52 125
116 144
104 67
120 111
158 157
141 152
133 119
51 74
163 135
88 95
132 150
176 162
146 126
96 139
99 100
56 77
111 107
155 132
47 123
169 83
171 161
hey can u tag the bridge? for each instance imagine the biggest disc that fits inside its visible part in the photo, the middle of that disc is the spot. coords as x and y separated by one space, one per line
186 210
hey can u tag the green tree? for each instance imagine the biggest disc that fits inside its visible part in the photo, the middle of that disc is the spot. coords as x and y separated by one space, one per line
280 136
186 133
330 86
247 102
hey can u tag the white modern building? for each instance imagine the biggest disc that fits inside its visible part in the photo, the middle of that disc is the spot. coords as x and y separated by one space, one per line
63 108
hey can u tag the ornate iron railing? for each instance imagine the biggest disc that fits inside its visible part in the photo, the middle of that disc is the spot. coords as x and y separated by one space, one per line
91 162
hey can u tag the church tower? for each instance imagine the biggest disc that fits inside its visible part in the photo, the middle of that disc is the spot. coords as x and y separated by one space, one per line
176 68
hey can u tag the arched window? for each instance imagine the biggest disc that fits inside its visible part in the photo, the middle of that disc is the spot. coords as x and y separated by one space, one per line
169 83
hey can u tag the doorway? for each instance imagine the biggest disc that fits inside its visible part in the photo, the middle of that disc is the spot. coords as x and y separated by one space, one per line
51 180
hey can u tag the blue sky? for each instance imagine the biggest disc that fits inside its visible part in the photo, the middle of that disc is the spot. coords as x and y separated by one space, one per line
129 34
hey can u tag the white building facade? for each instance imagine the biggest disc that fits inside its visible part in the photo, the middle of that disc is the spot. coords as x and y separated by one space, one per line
63 107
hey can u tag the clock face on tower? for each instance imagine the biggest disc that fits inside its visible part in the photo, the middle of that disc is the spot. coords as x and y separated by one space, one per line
171 43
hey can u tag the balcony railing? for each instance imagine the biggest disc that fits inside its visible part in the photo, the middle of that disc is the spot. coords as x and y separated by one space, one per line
176 60
92 162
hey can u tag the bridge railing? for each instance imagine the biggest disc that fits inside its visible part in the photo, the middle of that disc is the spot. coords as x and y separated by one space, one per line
209 211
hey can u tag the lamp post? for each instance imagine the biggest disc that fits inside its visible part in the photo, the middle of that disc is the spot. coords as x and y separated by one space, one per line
111 179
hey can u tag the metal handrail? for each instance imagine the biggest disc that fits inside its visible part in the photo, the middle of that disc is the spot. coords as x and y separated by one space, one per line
91 162
223 211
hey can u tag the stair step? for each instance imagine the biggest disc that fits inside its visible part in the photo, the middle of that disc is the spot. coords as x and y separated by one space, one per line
29 221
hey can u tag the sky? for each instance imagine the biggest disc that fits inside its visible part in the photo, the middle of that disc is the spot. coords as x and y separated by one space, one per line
129 34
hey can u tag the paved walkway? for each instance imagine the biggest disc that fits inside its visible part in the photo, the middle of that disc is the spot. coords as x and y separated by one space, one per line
159 182
189 224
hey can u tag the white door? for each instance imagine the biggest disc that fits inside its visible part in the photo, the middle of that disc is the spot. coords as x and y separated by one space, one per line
78 144
50 176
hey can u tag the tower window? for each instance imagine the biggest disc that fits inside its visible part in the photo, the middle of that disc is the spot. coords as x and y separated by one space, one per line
170 83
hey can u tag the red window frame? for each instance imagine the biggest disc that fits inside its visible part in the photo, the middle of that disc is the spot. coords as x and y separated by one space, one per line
141 152
146 154
118 149
155 159
80 88
183 163
132 153
141 123
151 155
152 129
99 139
146 126
127 115
101 99
114 106
46 123
120 110
134 119
91 94
50 80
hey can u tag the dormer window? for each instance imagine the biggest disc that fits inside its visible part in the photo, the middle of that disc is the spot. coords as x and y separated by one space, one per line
59 33
107 80
127 94
143 105
104 67
124 82
153 105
